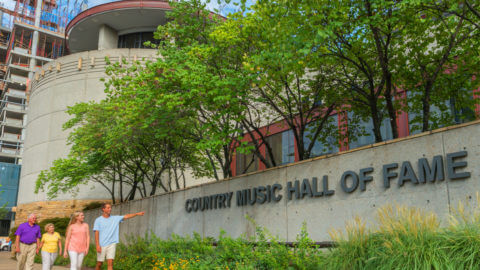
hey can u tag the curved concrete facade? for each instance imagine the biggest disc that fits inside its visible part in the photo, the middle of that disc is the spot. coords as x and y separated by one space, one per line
59 84
122 17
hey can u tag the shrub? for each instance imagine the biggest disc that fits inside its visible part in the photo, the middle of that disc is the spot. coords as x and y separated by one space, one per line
60 224
259 252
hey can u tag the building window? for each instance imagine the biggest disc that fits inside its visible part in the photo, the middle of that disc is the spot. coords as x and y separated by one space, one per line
136 40
283 147
461 115
415 119
363 131
327 141
275 143
288 147
441 115
246 163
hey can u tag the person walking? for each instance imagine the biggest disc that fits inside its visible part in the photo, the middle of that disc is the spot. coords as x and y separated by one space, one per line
106 228
50 245
9 241
77 241
27 242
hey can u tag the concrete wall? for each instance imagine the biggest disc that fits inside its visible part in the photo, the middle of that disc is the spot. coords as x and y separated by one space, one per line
166 214
59 84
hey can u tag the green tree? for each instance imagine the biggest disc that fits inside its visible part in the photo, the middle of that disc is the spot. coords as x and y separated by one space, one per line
380 46
354 40
465 9
127 162
198 79
284 87
436 63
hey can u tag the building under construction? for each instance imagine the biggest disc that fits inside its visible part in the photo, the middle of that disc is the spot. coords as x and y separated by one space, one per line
31 35
52 55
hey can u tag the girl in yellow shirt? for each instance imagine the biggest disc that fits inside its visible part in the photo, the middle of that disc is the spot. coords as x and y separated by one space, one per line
51 245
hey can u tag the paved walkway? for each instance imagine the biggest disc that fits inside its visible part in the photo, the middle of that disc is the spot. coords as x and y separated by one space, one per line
6 263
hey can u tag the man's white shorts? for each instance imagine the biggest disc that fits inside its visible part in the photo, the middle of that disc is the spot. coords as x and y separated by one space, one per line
107 252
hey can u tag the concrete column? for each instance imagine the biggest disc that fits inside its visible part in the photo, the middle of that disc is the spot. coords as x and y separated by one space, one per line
33 62
2 132
38 14
107 38
22 136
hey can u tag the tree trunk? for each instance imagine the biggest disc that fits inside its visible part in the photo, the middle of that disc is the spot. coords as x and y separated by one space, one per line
382 52
376 121
134 190
426 106
298 134
392 113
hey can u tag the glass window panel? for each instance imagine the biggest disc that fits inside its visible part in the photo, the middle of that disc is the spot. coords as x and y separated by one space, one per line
328 145
246 163
365 128
288 147
136 40
415 120
386 129
283 147
368 136
464 114
9 177
275 143
436 114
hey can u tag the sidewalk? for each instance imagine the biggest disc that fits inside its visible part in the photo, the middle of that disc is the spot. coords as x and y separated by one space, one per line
8 264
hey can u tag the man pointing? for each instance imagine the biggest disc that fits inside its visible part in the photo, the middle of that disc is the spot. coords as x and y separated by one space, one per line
106 228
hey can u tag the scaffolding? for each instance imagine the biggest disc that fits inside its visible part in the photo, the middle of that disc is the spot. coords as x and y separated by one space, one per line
36 37
54 14
53 18
31 35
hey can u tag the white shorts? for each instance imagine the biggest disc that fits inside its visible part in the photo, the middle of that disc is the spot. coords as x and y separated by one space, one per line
107 252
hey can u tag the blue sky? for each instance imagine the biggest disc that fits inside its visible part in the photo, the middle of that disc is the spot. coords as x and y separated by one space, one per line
213 5
225 9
